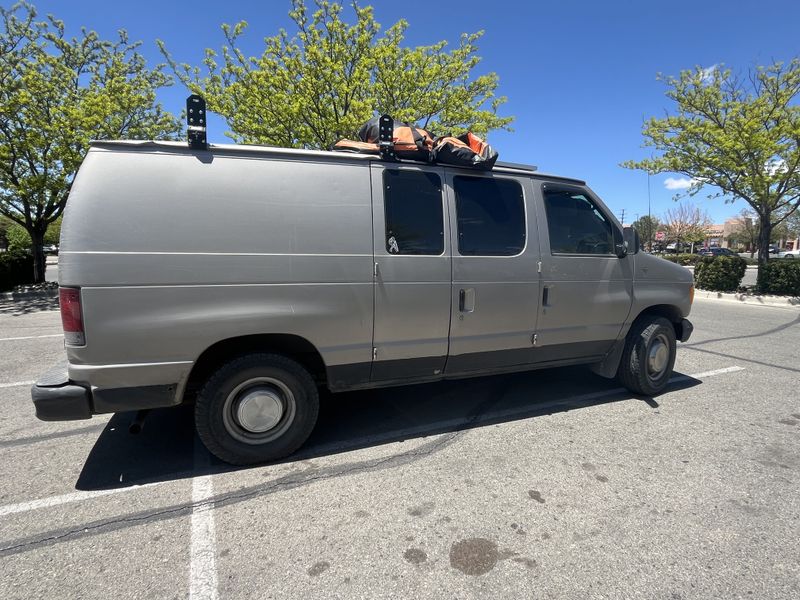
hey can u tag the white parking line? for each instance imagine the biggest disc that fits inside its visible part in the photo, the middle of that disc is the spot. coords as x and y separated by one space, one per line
31 337
16 384
710 373
203 562
202 487
12 509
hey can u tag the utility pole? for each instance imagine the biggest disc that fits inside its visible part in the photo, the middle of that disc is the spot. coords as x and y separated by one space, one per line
622 217
649 217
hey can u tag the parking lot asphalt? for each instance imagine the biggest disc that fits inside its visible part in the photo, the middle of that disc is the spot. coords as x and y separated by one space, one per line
550 484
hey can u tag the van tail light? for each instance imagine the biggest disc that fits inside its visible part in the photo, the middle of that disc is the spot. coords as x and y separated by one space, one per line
71 316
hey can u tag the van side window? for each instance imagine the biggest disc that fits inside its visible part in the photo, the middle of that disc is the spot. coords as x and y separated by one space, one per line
491 216
576 225
413 209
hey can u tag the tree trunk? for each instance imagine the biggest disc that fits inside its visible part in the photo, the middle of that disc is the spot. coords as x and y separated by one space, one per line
765 232
37 249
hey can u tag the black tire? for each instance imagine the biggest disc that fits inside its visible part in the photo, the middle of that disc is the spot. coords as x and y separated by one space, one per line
283 382
637 371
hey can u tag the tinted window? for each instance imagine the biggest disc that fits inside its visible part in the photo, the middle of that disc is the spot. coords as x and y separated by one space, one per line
491 216
576 225
413 205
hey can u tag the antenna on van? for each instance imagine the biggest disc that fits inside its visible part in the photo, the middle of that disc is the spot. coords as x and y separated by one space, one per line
386 138
196 122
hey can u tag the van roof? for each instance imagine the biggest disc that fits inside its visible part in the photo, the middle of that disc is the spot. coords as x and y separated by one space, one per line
502 167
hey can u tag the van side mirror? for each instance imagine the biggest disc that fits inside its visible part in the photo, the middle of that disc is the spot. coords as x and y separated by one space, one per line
631 240
620 245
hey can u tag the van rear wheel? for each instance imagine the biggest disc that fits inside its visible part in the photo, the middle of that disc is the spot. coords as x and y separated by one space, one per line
648 357
256 408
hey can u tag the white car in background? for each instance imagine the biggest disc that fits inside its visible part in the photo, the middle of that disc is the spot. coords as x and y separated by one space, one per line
789 254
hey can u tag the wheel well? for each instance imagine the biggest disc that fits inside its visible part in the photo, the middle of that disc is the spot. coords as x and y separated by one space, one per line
668 311
291 346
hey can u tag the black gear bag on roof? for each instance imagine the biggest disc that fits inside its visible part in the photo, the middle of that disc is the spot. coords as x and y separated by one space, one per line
466 150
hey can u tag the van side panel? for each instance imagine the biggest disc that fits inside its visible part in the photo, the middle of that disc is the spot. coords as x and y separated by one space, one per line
589 296
174 253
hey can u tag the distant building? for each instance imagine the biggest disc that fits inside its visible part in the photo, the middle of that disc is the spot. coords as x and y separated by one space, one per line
715 236
718 234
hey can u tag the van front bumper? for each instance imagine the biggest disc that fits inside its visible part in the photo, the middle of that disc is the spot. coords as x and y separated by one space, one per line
56 398
686 329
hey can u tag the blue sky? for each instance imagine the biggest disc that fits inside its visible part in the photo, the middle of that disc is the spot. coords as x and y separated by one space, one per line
579 76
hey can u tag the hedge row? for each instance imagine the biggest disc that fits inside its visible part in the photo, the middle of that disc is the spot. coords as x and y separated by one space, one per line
682 259
689 260
719 273
16 268
781 277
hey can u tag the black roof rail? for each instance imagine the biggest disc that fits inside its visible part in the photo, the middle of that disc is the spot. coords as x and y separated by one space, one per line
518 166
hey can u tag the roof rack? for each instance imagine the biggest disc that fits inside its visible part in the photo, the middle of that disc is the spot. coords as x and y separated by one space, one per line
517 166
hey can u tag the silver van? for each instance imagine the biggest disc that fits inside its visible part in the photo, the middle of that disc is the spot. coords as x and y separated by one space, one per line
241 279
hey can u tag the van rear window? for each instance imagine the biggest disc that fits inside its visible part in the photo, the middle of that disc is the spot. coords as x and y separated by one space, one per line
491 216
414 215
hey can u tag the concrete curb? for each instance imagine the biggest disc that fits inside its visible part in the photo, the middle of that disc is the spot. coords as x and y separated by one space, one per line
39 294
780 301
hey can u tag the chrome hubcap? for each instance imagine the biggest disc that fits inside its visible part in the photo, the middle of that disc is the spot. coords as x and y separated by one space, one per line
658 356
260 409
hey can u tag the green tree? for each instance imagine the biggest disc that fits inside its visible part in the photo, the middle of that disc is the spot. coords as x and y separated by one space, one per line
17 238
13 236
320 84
56 94
686 224
793 225
737 134
647 227
53 234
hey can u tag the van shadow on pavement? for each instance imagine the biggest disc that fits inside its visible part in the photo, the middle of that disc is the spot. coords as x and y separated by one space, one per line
165 449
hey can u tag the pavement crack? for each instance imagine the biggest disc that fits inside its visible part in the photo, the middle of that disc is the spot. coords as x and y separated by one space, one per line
777 329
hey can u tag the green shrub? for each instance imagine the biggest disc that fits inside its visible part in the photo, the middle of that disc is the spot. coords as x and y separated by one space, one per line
682 259
16 268
18 238
780 277
719 273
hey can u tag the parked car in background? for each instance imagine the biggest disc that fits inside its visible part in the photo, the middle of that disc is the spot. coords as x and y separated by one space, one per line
789 254
682 248
717 252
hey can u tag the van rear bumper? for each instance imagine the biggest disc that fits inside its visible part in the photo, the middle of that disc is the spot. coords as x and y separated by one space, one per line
57 398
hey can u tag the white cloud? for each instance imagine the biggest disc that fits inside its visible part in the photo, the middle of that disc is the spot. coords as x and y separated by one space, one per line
679 183
776 166
708 73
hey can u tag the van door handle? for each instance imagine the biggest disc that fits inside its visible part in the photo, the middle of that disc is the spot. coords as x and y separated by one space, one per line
466 300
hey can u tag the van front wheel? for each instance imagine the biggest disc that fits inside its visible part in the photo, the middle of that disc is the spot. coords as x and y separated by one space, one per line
256 408
649 356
